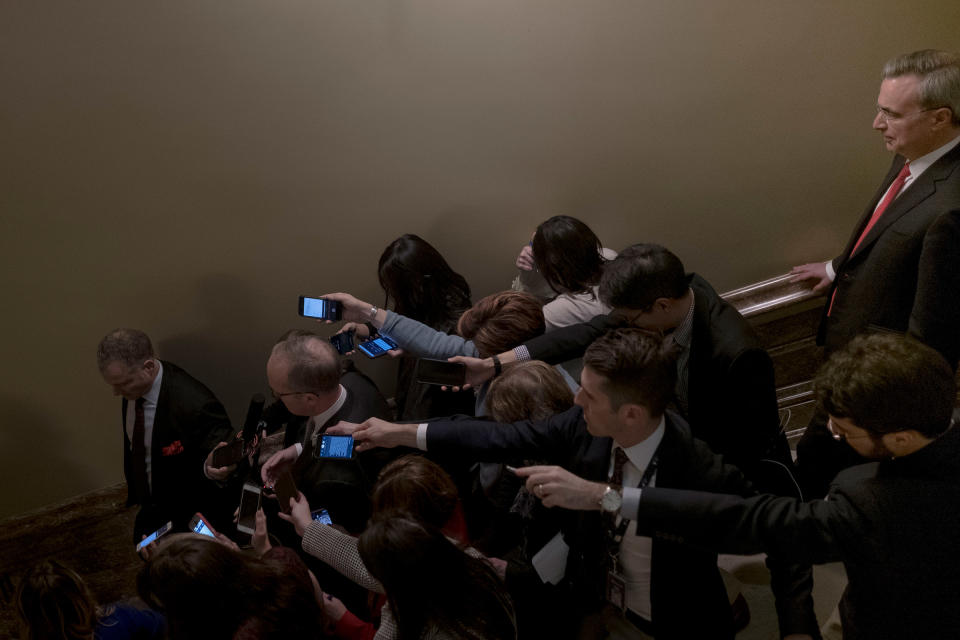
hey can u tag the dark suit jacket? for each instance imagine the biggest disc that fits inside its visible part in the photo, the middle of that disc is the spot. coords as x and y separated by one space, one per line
894 525
343 487
687 594
904 276
731 397
189 422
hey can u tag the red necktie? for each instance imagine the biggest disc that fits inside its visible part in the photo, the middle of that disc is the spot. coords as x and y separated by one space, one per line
895 187
139 454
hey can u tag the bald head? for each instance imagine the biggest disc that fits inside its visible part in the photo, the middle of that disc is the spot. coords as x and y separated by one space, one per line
309 362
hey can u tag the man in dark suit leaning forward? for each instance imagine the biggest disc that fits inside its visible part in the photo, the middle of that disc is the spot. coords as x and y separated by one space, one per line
620 432
898 272
170 422
304 372
894 522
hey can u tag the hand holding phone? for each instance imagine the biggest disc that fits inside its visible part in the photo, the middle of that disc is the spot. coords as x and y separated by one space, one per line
153 536
285 488
343 342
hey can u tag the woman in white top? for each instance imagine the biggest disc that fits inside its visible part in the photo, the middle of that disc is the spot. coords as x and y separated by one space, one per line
564 261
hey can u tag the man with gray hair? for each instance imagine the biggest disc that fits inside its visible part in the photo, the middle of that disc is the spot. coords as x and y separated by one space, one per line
305 373
170 422
898 272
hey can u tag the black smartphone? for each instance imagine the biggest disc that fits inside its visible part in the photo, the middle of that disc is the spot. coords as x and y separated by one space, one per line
285 488
378 346
343 342
249 504
156 534
200 525
228 455
320 308
451 374
335 447
321 515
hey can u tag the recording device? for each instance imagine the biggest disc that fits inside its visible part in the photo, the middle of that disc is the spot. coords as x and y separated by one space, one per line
451 374
234 452
378 346
343 342
199 524
249 505
162 530
321 515
335 447
285 488
320 308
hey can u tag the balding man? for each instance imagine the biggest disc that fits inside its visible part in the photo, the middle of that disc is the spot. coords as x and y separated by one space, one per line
170 422
898 272
304 372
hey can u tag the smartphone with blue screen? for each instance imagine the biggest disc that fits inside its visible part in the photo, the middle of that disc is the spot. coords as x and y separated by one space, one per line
199 524
321 515
153 536
335 447
378 346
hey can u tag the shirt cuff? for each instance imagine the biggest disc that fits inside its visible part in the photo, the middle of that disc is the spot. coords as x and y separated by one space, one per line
299 448
830 272
630 507
521 353
422 436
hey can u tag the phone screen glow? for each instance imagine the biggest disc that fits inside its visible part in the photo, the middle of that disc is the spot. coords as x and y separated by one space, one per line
314 307
202 528
336 446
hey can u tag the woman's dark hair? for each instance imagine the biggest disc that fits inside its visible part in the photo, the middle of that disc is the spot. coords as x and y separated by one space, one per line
421 284
432 585
531 390
208 591
418 486
568 255
54 603
501 321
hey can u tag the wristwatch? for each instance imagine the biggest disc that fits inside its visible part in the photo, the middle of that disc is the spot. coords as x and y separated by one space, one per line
611 500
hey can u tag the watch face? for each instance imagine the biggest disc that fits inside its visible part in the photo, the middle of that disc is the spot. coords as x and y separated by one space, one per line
611 500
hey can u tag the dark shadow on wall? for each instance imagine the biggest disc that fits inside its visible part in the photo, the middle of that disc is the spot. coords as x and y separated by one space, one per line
219 351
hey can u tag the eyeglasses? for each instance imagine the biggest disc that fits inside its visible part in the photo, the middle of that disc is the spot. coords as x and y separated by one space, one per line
892 116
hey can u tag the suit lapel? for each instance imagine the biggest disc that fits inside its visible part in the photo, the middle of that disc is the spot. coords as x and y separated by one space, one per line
868 212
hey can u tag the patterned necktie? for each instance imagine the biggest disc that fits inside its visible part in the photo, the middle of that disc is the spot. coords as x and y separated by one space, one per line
619 459
139 453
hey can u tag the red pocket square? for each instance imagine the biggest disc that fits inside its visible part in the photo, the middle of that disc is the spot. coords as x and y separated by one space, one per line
173 448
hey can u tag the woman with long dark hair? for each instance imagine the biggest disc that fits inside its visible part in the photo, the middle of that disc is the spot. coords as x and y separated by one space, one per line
434 588
419 284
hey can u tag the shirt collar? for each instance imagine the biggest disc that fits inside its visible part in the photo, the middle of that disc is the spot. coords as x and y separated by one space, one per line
923 163
151 396
641 453
321 418
684 331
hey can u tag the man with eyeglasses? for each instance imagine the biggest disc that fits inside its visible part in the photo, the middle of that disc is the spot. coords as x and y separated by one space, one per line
899 271
893 522
170 422
306 375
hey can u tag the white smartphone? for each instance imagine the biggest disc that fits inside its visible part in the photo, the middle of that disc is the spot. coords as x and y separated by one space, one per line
249 505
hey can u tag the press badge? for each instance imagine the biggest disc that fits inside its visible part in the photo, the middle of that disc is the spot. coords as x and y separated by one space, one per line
616 590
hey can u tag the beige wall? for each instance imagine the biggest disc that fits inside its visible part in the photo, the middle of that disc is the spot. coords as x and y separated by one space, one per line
190 167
